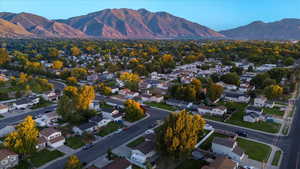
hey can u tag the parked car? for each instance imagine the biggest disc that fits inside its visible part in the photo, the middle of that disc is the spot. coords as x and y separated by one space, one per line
241 133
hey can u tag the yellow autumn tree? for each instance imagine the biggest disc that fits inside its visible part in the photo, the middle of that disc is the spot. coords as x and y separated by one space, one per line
57 64
179 134
24 139
131 80
3 56
72 80
86 95
23 78
73 163
133 110
75 51
273 91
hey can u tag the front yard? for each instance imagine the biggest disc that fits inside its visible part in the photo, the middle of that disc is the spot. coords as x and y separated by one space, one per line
273 111
237 119
161 106
42 157
74 142
136 142
109 128
42 103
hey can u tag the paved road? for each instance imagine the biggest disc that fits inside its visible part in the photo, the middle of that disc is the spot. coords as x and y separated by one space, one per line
289 144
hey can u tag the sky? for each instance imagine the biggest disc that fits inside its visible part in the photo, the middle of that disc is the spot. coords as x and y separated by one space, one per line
216 14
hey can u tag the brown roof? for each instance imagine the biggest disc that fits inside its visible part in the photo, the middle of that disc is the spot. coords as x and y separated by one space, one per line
221 163
6 152
2 106
57 139
237 150
121 163
48 131
224 141
41 140
146 147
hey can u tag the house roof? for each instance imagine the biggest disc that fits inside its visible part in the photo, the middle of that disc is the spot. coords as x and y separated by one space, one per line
224 141
57 139
146 147
221 163
2 106
107 109
85 126
253 108
237 150
6 152
121 163
97 118
234 94
48 131
41 140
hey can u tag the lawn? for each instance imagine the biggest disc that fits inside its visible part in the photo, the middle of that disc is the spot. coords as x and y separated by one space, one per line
104 105
161 106
109 128
192 164
237 119
42 157
254 150
215 118
273 111
136 142
276 158
75 142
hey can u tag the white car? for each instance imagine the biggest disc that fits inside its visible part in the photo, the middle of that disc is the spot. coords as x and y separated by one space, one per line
208 127
149 131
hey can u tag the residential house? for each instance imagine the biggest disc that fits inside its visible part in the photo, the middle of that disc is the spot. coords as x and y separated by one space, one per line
219 110
178 103
222 162
88 127
111 113
99 120
95 105
53 137
8 159
120 163
26 102
152 98
228 86
41 144
127 93
253 109
204 110
252 117
3 108
48 119
227 147
50 96
145 151
236 97
260 101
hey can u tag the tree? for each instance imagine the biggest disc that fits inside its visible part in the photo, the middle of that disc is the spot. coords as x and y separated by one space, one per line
179 134
72 80
57 64
109 154
273 92
131 80
24 139
86 96
133 110
214 91
75 51
53 52
3 56
103 89
79 73
231 78
73 163
197 84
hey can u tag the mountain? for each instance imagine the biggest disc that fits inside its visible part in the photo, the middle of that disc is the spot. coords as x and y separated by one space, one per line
40 26
9 30
136 24
285 29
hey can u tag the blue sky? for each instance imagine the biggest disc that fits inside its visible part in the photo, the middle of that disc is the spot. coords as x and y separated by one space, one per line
216 14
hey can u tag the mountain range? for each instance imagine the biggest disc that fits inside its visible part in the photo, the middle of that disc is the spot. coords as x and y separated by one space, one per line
137 24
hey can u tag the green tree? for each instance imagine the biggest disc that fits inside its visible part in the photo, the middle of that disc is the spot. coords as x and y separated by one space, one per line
231 78
3 56
214 91
273 92
133 110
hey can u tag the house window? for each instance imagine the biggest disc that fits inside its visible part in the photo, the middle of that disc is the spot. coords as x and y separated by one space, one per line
12 159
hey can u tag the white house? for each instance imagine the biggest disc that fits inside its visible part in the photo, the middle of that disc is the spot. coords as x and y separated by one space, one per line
260 101
53 136
128 93
8 159
50 96
253 109
120 163
227 147
204 110
143 152
251 117
152 98
228 86
219 111
26 102
3 109
47 119
236 97
113 114
99 120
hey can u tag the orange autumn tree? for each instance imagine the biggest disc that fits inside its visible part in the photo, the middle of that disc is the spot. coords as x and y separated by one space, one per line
133 110
73 163
57 64
179 134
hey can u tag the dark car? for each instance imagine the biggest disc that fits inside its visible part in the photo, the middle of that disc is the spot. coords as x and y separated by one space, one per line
241 133
88 146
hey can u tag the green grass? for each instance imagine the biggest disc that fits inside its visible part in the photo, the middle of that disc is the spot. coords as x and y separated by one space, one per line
104 105
276 158
161 106
254 150
42 103
136 142
1 116
192 164
273 111
42 157
23 164
109 128
237 119
215 118
75 142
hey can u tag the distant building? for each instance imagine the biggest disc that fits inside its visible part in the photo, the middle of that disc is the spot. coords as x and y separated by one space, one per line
227 147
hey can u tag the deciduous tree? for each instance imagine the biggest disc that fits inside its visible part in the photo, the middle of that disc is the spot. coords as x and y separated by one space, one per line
73 163
133 110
